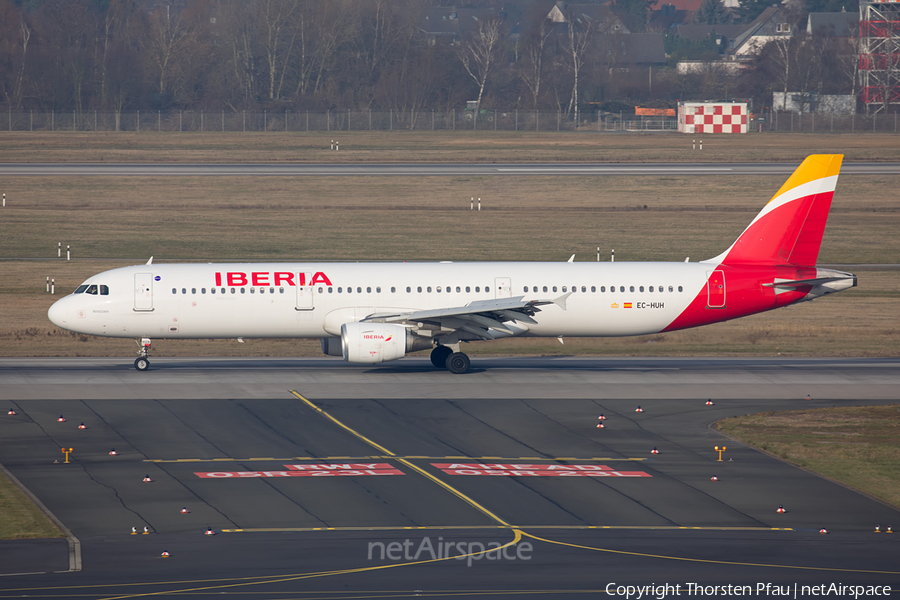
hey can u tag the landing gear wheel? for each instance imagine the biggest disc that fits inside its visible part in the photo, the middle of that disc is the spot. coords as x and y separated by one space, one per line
439 356
458 363
141 364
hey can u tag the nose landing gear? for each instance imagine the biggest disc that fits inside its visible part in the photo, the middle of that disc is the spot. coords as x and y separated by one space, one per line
142 362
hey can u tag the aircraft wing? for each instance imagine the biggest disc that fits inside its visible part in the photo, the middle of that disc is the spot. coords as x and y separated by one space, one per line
483 318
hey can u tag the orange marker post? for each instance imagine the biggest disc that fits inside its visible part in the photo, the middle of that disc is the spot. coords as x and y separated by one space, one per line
66 452
720 451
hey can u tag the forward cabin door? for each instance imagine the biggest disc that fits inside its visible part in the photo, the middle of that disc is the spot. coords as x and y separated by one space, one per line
715 287
143 291
502 287
305 293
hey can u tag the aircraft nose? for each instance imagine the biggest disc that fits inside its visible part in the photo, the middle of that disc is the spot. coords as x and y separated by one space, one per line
58 314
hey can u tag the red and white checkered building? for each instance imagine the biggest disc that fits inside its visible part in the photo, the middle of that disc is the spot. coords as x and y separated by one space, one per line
712 117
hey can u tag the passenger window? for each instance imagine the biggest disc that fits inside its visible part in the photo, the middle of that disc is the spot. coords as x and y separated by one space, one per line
670 288
525 289
252 291
232 290
202 290
631 289
477 289
369 290
243 290
271 290
104 290
594 288
174 291
554 288
641 289
183 291
281 290
661 289
419 289
651 289
222 290
438 289
468 289
680 289
621 288
487 289
358 290
193 290
330 290
563 289
534 289
212 290
584 289
80 289
545 288
457 289
428 289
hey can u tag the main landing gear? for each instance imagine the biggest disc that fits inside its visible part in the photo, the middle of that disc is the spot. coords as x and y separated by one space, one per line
142 362
443 357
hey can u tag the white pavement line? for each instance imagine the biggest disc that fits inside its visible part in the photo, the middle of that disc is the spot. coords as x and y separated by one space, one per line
74 544
615 169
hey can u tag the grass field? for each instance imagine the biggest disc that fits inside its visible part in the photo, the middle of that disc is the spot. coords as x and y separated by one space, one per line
859 445
115 221
438 146
19 517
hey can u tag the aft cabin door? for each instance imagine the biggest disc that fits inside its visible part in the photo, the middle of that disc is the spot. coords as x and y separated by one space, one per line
502 287
143 291
305 293
715 286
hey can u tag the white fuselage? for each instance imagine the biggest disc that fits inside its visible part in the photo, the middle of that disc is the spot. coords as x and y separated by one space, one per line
262 300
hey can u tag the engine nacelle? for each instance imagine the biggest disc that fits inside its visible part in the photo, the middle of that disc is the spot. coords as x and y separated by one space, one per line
378 342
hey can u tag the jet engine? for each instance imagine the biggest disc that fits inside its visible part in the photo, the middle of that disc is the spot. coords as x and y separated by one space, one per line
379 342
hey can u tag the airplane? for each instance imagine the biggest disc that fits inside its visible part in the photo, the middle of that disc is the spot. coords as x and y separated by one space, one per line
376 312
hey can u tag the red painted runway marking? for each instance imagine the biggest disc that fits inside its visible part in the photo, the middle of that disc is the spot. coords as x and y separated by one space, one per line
530 470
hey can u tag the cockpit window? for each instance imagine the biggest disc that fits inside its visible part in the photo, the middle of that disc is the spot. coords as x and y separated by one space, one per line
92 290
104 290
80 289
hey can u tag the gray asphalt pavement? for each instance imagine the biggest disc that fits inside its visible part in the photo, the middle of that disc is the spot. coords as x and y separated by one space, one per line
195 426
442 169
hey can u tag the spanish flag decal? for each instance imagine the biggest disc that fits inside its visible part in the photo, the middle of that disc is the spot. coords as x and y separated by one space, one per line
628 305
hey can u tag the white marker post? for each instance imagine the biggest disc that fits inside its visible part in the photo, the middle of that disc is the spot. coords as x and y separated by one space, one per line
337 146
693 144
479 205
613 257
48 285
472 203
598 253
68 252
4 199
59 250
701 144
52 286
332 144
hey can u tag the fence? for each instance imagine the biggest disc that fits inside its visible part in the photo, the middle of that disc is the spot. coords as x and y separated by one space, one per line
416 120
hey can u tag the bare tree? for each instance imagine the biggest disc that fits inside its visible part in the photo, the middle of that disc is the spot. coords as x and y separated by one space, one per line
277 19
532 72
478 54
168 36
578 40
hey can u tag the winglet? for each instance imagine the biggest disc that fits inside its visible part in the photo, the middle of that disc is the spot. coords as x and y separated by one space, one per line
571 258
561 301
150 262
